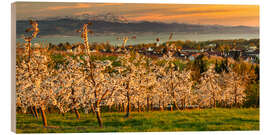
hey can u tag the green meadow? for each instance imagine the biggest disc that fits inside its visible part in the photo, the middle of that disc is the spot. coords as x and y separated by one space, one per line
219 119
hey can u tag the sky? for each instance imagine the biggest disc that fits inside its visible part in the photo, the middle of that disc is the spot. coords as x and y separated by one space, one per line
229 15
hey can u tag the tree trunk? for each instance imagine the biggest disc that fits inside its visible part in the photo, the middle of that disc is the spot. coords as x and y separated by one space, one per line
74 102
128 105
214 99
116 107
125 107
36 112
110 108
163 105
92 108
44 119
77 113
148 106
235 93
139 107
235 96
33 112
235 101
49 110
133 108
151 106
174 101
173 94
119 108
184 103
160 106
215 103
143 108
98 116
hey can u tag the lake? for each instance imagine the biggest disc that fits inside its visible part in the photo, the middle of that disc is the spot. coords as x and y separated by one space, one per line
140 38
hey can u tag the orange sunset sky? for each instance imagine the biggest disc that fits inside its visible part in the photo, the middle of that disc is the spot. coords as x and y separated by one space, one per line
231 15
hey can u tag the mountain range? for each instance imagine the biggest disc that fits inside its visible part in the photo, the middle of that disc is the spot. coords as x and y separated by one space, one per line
110 23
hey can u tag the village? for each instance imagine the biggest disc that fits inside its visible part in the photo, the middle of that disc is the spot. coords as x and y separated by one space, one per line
247 50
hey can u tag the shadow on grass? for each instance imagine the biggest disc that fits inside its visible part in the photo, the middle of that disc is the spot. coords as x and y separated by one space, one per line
241 120
195 120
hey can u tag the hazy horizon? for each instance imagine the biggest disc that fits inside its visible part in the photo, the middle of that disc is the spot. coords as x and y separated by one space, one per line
227 15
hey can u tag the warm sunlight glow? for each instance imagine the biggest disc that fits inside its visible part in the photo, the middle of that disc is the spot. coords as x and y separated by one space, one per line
231 15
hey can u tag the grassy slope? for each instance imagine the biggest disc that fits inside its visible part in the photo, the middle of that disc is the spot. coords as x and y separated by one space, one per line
188 120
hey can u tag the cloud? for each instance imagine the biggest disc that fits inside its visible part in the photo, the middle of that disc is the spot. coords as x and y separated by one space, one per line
75 6
109 4
85 12
209 14
188 13
57 8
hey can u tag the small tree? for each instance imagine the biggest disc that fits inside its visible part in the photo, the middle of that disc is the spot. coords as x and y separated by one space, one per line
92 75
101 84
69 86
169 73
185 90
209 88
28 40
34 87
130 78
235 88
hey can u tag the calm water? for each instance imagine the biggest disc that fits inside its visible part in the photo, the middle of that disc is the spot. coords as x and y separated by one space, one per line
140 38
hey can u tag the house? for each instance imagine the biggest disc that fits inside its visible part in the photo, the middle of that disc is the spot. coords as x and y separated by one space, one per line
253 48
190 50
202 50
251 59
118 50
37 45
78 49
235 54
69 50
212 45
93 50
191 57
150 49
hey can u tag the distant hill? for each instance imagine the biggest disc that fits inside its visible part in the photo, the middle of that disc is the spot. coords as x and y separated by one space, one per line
109 23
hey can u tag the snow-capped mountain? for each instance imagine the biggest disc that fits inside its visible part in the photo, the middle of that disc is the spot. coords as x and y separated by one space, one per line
107 17
110 23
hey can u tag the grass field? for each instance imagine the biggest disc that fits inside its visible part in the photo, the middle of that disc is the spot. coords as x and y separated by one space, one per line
188 120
